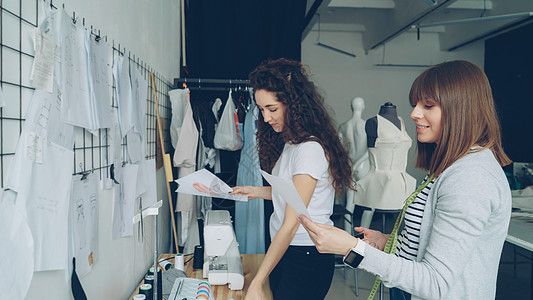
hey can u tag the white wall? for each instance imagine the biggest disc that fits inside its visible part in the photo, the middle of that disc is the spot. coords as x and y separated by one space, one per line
342 78
150 30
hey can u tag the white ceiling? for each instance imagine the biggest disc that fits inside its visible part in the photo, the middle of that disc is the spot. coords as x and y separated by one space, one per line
380 21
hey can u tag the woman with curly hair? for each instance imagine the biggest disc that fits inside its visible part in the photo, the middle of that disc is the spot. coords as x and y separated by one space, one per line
297 140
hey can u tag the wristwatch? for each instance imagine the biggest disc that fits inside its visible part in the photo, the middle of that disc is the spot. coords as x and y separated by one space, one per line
354 257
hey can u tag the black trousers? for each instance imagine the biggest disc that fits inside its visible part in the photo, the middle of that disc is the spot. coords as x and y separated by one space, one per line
397 294
302 273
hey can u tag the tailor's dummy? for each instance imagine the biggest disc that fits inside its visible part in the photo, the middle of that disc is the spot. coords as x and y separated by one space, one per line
387 184
353 136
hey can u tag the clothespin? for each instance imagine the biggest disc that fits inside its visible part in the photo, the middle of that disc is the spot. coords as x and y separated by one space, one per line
112 173
84 175
141 223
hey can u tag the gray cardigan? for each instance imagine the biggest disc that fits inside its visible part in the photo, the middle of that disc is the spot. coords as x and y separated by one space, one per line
462 233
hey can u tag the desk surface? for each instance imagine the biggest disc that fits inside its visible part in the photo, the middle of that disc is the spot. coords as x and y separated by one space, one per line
520 233
250 265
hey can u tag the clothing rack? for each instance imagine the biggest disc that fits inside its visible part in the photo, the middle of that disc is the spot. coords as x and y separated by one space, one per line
210 84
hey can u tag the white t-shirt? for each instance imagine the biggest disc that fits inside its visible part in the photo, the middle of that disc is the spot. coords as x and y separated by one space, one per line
304 158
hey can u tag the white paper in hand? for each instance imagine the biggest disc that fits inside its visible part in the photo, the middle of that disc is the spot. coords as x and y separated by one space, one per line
288 192
205 183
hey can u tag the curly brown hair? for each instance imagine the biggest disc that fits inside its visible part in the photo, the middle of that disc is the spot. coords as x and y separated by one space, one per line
306 119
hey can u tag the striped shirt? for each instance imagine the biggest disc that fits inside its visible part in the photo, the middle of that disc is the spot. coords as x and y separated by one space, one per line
408 240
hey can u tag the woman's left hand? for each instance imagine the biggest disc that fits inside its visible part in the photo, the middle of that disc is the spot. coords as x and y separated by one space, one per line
327 238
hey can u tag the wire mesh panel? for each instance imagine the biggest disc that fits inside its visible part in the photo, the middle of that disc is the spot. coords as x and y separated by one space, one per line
91 151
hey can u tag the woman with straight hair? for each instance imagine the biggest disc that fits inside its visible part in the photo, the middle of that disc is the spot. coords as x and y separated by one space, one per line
457 220
297 140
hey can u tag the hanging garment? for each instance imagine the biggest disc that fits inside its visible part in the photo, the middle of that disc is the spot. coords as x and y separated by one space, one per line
227 135
185 152
387 183
249 216
185 159
178 100
208 157
205 118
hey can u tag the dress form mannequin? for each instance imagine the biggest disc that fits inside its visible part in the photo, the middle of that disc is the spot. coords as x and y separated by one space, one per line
353 136
385 188
388 111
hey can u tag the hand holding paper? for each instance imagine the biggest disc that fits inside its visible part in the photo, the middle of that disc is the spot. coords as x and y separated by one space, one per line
205 183
288 192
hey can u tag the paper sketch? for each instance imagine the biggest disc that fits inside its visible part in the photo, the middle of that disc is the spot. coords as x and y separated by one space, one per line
146 183
77 108
34 148
205 183
41 177
99 81
288 192
123 94
46 193
84 222
139 94
124 200
18 250
42 71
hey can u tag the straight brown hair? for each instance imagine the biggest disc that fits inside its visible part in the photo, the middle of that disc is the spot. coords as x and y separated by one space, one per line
469 116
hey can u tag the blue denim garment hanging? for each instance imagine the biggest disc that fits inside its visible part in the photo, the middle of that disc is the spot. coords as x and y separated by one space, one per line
249 216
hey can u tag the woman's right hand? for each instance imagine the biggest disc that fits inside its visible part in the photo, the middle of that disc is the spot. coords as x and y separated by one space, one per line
374 238
255 292
245 190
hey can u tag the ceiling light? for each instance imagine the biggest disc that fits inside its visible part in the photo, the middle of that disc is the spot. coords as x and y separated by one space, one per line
335 49
491 18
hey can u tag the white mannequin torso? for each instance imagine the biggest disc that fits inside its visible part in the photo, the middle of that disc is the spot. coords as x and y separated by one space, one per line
352 132
353 136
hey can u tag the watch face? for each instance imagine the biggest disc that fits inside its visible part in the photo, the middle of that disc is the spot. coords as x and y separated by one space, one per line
353 259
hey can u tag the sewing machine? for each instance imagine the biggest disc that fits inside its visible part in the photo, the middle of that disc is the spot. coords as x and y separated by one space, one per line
222 260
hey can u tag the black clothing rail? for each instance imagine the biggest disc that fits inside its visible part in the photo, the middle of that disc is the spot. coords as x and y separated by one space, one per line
210 84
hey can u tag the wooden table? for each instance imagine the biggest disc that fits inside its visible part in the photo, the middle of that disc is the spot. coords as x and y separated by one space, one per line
250 265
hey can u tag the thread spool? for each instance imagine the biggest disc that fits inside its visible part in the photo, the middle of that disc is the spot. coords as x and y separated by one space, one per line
179 262
204 291
198 262
165 264
149 279
146 290
159 281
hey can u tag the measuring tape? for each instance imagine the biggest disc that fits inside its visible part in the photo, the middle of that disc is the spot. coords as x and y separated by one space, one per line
393 237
